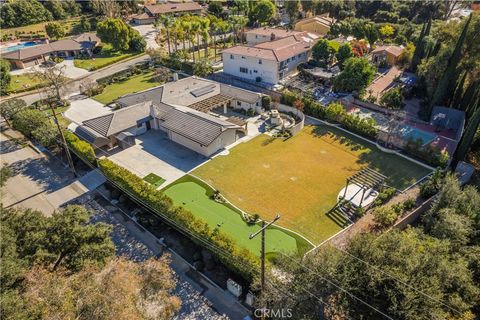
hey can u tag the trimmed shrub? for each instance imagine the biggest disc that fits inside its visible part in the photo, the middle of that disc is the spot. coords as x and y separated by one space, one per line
239 259
81 148
385 217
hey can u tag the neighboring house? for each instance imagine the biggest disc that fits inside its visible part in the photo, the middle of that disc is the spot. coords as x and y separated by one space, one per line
30 56
267 62
182 109
319 24
386 54
143 18
259 35
156 10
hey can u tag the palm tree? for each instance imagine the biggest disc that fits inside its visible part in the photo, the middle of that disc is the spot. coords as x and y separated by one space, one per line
194 31
205 31
214 28
167 21
242 22
224 28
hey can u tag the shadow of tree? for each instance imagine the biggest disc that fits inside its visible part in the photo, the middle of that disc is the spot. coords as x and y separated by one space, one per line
268 141
8 146
40 171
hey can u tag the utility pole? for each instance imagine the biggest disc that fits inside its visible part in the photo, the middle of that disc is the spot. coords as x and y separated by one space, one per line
262 251
62 136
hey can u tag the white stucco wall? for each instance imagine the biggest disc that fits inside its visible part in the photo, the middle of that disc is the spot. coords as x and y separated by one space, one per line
226 138
267 71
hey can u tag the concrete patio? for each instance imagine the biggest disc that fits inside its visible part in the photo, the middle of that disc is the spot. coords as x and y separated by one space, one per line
155 153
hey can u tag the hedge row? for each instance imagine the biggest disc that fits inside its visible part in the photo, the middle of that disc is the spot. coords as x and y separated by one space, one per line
334 112
80 147
163 206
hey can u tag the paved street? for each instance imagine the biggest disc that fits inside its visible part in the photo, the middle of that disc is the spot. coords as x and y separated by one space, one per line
40 182
74 86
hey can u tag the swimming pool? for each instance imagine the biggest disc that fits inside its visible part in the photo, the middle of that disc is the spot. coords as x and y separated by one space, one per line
20 46
411 133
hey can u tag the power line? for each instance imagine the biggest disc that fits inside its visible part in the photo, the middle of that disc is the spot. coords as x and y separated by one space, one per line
342 289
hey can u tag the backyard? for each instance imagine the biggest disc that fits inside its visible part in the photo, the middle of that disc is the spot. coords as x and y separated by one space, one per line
196 196
133 84
106 57
300 178
23 82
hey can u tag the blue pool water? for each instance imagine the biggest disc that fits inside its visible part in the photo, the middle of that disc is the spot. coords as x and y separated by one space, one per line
20 46
409 132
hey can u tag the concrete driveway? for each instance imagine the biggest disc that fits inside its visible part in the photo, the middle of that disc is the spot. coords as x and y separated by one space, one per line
68 66
148 32
83 108
155 153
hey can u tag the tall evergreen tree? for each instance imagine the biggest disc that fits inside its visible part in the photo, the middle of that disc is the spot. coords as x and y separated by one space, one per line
451 73
459 90
419 52
468 136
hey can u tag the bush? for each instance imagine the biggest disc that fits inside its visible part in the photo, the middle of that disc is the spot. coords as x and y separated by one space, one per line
182 218
409 204
385 195
81 148
385 217
432 185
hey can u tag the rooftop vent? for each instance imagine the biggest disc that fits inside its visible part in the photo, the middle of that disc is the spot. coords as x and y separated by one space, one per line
203 90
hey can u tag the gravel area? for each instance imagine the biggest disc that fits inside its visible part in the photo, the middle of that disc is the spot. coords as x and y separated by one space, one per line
194 305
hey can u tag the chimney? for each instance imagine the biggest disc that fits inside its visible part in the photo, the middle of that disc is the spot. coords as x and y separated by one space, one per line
175 76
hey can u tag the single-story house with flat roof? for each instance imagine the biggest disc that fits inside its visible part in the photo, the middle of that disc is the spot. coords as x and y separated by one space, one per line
182 109
30 56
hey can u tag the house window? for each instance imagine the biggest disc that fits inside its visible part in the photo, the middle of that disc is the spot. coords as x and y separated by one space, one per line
257 104
288 60
243 57
231 56
255 71
260 61
239 104
243 70
293 58
300 55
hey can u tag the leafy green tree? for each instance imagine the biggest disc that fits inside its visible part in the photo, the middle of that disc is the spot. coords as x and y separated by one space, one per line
292 8
371 33
55 30
392 99
308 6
5 77
23 12
28 120
344 52
71 7
56 8
216 8
384 216
85 24
375 270
115 32
323 52
264 11
202 68
419 52
357 74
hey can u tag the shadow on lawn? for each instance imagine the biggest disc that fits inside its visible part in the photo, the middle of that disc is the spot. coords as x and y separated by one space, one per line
339 137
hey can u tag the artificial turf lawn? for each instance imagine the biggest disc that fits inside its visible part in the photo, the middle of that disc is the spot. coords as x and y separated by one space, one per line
195 196
133 84
300 178
153 179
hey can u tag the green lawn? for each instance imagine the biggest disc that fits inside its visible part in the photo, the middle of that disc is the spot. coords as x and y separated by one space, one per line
133 84
106 57
23 82
153 179
301 177
195 196
70 25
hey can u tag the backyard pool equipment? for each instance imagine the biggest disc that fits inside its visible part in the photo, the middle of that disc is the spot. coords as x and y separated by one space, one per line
411 133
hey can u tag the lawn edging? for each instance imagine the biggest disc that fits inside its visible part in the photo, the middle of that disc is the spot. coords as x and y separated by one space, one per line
297 236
